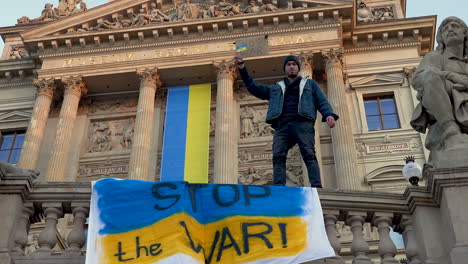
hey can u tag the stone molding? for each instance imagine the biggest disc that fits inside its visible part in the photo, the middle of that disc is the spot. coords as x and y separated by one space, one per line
75 85
45 87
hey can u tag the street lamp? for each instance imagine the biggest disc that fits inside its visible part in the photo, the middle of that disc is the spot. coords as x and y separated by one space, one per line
412 171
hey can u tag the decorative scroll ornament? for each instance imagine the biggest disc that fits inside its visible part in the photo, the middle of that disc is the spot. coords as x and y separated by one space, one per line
45 87
333 57
75 85
49 13
150 75
225 69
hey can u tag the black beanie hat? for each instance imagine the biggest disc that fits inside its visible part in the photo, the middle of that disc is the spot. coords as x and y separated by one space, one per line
292 58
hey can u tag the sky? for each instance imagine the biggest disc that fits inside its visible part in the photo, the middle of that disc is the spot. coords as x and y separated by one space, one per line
15 9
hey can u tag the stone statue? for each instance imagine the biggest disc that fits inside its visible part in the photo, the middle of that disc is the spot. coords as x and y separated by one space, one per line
267 7
18 53
141 19
252 8
213 10
247 122
7 168
441 82
157 15
47 14
228 9
187 10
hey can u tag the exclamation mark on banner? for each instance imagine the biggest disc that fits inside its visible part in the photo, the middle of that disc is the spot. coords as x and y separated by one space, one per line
284 239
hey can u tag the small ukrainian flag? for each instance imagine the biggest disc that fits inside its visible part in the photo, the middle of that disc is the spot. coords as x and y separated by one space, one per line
241 48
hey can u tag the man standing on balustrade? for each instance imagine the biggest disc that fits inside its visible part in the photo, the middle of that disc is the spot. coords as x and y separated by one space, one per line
292 110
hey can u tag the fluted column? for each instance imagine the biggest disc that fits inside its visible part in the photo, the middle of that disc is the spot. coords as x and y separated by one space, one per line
139 159
35 133
359 246
344 152
21 234
75 87
307 69
226 136
387 249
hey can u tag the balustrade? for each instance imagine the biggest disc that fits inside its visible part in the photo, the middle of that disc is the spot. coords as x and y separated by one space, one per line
54 200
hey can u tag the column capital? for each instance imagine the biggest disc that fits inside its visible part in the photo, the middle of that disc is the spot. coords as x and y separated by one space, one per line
150 75
45 87
306 58
333 57
75 85
225 69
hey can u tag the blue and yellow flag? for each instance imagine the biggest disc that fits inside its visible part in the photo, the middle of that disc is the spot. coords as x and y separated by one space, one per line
241 48
180 223
185 148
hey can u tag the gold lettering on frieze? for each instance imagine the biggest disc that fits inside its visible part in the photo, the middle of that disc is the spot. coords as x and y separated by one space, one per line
389 147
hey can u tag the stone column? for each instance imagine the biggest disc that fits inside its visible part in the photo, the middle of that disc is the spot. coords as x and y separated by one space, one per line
35 133
75 87
347 176
141 147
307 69
226 136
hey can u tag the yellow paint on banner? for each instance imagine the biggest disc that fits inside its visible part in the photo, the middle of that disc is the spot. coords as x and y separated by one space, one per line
198 134
233 240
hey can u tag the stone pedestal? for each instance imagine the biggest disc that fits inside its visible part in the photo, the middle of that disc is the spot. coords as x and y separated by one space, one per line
139 160
75 87
37 124
344 151
227 119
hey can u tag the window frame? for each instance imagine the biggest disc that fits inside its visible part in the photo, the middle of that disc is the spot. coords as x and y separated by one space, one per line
12 147
379 97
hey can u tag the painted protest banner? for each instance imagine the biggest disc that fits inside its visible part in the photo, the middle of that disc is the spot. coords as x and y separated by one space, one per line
180 223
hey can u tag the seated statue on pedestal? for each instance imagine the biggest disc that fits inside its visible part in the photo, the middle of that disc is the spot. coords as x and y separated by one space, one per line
441 81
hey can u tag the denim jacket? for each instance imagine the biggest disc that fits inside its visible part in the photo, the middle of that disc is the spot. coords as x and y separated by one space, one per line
311 99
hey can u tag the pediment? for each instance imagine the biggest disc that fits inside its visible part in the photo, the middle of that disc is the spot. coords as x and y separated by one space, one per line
120 14
15 115
377 80
387 173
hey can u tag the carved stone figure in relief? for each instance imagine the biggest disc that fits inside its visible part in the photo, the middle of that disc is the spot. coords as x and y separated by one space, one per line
141 19
267 7
252 8
128 134
441 81
47 14
252 177
100 138
364 14
247 122
294 176
12 169
213 10
18 53
228 9
157 15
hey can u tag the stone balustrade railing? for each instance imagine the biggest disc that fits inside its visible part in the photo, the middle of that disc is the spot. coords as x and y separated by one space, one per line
49 202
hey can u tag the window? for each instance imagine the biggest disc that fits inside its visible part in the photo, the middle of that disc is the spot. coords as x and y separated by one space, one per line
381 112
10 146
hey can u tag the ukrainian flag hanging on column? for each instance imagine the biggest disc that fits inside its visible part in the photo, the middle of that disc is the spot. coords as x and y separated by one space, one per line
186 134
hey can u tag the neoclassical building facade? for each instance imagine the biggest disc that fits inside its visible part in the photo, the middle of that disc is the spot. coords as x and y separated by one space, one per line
83 96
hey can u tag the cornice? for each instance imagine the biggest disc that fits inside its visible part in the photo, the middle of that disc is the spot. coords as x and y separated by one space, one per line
383 46
158 32
192 40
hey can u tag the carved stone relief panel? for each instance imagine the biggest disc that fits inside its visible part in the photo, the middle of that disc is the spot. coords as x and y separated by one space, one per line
113 106
253 123
110 135
92 170
367 14
387 146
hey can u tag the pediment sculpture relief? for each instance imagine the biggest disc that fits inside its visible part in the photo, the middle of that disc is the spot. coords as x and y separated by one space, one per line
18 53
65 8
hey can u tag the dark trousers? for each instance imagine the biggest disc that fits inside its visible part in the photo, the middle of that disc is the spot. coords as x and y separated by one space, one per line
288 134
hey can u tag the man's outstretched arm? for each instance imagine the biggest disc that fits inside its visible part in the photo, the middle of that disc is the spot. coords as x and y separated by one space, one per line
261 91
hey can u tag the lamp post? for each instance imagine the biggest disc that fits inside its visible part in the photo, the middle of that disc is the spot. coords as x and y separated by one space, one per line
412 171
